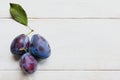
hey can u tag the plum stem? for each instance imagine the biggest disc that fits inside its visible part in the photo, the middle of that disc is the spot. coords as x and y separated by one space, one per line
31 30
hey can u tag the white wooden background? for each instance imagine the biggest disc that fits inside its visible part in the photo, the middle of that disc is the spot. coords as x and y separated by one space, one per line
84 36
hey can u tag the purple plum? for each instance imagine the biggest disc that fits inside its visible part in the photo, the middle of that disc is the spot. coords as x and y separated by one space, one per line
20 45
28 63
39 47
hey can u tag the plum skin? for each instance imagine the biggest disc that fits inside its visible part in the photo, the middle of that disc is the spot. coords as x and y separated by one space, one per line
28 63
39 47
20 45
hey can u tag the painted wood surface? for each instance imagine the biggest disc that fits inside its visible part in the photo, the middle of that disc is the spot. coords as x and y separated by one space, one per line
83 34
76 44
62 75
65 8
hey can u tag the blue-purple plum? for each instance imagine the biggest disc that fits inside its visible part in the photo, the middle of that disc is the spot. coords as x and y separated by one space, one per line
39 47
28 63
20 45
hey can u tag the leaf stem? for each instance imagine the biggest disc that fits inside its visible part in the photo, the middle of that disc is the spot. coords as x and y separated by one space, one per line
30 28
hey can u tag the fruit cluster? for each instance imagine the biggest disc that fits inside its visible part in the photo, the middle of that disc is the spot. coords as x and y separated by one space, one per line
30 50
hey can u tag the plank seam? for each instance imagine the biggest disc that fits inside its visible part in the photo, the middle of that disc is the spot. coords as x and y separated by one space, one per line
65 70
66 18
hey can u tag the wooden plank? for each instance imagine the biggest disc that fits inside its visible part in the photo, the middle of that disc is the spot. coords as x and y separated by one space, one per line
76 44
62 75
65 8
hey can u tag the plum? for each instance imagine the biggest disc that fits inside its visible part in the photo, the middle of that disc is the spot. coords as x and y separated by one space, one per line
28 63
20 45
39 47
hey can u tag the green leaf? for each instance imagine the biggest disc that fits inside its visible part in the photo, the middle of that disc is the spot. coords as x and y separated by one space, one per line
18 13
